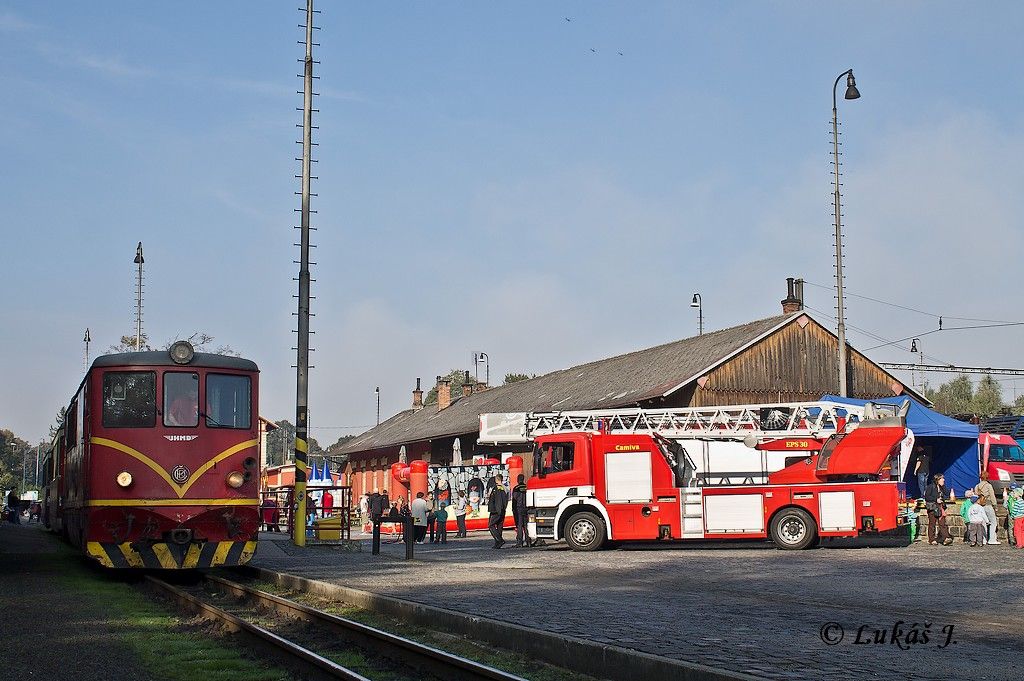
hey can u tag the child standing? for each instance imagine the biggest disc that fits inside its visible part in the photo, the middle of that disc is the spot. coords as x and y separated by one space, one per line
441 518
977 517
970 498
1016 504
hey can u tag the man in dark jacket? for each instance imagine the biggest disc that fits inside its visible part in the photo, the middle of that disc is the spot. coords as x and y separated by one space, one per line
497 502
519 511
935 498
377 506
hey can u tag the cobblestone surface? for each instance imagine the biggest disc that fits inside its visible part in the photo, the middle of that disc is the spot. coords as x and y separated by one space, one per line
743 607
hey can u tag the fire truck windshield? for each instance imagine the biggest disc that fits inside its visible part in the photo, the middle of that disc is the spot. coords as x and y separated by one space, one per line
552 457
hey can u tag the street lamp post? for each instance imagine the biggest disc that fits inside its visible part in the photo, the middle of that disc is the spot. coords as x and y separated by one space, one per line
916 347
698 303
482 357
851 93
377 390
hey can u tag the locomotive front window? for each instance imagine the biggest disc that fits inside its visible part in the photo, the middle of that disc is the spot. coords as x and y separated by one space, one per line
181 399
129 399
228 401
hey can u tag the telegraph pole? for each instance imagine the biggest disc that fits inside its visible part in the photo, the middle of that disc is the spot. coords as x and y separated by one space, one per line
302 347
87 340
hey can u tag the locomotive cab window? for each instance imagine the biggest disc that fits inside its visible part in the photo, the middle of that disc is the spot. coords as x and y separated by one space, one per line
181 399
129 399
228 401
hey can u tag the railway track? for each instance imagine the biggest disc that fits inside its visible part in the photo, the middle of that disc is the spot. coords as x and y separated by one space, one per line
241 608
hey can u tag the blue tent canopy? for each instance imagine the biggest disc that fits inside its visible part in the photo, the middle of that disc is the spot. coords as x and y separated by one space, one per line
954 443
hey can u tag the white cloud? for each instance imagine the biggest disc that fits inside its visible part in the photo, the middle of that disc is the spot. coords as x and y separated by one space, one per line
12 23
108 65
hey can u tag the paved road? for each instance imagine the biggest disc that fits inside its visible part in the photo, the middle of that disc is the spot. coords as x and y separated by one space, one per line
745 607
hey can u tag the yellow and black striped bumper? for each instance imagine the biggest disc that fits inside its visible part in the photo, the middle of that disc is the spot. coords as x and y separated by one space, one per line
171 556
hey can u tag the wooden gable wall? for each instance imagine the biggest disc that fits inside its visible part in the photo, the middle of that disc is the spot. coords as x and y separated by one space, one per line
798 362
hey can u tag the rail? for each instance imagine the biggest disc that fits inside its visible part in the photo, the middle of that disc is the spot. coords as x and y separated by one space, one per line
389 646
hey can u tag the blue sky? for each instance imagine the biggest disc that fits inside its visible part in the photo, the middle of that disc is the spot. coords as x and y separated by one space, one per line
488 182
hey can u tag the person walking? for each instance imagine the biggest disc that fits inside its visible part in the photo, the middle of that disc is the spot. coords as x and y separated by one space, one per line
935 497
14 505
922 465
376 507
985 489
1008 495
1016 518
327 502
418 508
519 511
460 513
364 508
270 513
441 519
977 518
497 502
431 518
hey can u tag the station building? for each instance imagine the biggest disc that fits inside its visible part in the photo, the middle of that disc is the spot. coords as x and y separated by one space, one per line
790 357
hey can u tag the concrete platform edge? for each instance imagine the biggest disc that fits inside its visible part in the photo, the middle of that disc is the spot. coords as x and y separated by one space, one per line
587 657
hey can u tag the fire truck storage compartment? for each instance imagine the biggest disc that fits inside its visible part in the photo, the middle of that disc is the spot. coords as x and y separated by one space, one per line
733 513
837 511
628 477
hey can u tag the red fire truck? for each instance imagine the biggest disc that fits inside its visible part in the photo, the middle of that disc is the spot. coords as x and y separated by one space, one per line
795 473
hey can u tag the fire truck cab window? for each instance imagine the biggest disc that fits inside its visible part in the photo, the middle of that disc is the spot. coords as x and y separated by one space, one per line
129 399
555 458
228 401
181 399
1007 453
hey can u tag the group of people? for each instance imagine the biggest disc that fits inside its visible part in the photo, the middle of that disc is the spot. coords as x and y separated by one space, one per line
977 510
430 517
317 504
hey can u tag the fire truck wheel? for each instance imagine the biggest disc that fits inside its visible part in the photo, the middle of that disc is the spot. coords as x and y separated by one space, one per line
793 529
584 532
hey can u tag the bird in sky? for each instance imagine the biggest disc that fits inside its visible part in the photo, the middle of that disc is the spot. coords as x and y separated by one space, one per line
620 54
592 49
568 19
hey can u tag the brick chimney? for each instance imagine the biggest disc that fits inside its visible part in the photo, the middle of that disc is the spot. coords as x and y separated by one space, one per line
444 393
467 386
417 397
793 302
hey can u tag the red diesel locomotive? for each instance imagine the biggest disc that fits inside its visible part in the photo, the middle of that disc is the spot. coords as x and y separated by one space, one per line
155 465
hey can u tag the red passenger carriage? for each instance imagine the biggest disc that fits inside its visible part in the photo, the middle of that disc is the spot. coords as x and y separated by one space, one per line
156 464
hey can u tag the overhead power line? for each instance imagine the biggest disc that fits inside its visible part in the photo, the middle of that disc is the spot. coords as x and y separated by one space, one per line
914 309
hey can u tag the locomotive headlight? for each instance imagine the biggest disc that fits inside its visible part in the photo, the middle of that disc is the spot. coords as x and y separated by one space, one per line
235 479
181 352
124 479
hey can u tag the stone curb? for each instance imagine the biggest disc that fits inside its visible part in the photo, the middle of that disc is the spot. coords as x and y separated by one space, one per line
587 657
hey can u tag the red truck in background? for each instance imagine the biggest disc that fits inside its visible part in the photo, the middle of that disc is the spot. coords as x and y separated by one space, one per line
1003 458
593 487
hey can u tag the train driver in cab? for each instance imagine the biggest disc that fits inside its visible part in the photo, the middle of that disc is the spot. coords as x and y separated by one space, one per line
181 404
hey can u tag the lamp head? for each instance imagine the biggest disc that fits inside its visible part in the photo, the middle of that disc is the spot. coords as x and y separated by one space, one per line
696 300
851 86
913 345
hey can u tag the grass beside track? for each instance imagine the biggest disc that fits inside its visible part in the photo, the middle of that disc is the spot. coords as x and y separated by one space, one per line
167 645
457 645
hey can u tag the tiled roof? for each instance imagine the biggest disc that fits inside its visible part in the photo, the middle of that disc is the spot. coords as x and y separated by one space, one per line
614 382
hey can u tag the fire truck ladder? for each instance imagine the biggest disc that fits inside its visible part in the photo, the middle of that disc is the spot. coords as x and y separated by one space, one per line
752 422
